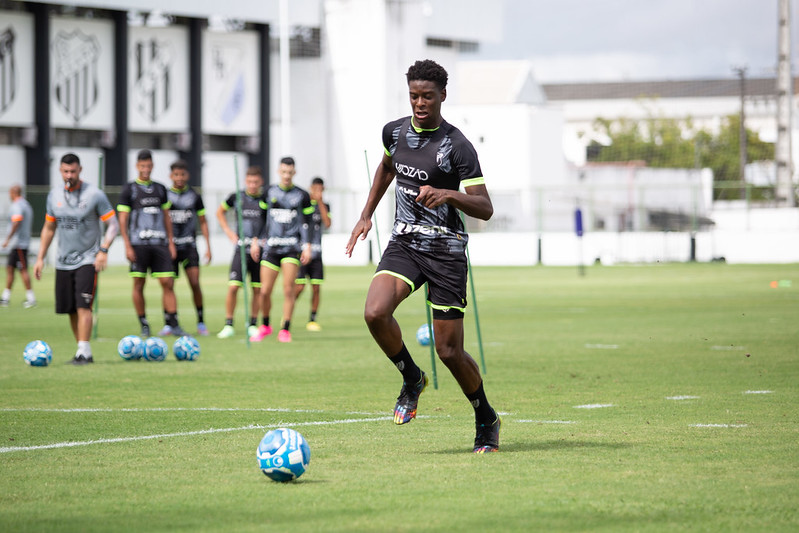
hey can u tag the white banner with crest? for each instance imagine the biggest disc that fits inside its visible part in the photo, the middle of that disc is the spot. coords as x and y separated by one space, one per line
16 69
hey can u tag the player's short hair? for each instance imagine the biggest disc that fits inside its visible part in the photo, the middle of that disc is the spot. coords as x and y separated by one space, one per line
144 155
287 161
70 158
180 164
255 170
317 181
428 70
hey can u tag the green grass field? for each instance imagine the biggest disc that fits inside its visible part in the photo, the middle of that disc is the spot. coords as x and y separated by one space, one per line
635 398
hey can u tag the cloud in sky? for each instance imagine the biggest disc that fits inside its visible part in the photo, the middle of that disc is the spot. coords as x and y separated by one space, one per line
578 40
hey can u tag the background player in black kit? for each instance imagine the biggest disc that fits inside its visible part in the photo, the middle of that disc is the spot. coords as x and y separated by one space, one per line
146 228
187 211
314 272
430 160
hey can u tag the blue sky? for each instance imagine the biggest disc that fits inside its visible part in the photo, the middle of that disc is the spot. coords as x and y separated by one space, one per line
614 40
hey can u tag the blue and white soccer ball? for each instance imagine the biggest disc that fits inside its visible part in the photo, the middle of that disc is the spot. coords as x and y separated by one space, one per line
283 454
186 348
423 335
38 353
155 349
131 348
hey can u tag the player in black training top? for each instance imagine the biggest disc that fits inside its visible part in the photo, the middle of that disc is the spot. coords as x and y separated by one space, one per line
187 212
431 160
314 272
146 228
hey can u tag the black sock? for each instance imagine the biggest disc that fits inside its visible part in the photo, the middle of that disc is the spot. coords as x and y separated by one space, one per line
313 316
265 320
200 317
253 320
411 373
483 413
143 320
229 322
286 325
171 319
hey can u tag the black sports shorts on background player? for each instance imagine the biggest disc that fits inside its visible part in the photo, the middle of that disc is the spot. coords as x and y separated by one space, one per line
253 268
445 276
153 257
187 257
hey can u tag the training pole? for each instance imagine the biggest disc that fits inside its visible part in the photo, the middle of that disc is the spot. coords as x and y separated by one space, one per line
427 308
95 313
242 250
474 301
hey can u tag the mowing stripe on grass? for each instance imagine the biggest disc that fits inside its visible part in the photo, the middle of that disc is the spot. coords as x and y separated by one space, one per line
56 445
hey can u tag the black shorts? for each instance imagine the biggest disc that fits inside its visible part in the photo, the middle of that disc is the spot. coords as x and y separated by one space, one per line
313 273
445 275
18 258
273 258
187 257
154 258
75 289
253 268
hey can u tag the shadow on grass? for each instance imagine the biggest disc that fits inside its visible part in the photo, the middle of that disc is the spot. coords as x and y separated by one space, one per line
542 446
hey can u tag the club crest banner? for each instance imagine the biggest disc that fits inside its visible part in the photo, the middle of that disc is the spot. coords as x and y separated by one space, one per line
81 72
231 83
158 77
16 69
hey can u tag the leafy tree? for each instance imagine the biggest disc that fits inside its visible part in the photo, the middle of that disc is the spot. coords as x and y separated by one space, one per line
673 143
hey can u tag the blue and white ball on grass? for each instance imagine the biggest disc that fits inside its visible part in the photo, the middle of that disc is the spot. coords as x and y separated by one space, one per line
283 454
38 353
131 348
423 335
186 348
155 349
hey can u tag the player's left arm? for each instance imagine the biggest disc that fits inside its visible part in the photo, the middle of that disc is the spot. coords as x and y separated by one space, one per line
16 222
305 239
170 234
475 202
111 231
206 235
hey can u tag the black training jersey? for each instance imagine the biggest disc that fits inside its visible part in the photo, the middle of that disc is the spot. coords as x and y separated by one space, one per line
186 206
442 158
288 217
253 215
146 202
315 230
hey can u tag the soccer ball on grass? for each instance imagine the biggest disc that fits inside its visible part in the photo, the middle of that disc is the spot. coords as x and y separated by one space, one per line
283 454
130 348
155 349
186 348
38 353
423 335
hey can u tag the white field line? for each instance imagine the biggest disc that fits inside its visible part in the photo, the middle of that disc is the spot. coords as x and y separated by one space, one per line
759 392
728 348
593 406
546 421
718 425
167 409
602 346
682 397
188 434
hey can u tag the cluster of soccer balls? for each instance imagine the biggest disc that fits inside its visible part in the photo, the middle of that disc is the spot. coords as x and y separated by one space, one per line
132 348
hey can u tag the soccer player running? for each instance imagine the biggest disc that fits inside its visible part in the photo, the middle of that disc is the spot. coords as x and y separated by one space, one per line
186 211
76 211
289 212
314 271
253 219
431 160
146 227
20 236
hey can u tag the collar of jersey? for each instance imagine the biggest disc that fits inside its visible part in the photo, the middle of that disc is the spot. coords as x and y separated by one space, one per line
73 189
285 188
420 130
184 189
140 182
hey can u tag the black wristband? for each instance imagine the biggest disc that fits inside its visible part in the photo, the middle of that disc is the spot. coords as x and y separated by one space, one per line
103 249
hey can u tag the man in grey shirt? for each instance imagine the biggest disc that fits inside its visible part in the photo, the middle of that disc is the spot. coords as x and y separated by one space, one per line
19 239
77 210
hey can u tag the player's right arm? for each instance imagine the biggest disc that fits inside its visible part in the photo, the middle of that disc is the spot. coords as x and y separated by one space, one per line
46 238
384 175
222 218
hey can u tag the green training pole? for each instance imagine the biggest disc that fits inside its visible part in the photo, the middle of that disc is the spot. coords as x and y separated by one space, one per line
95 313
474 300
242 250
